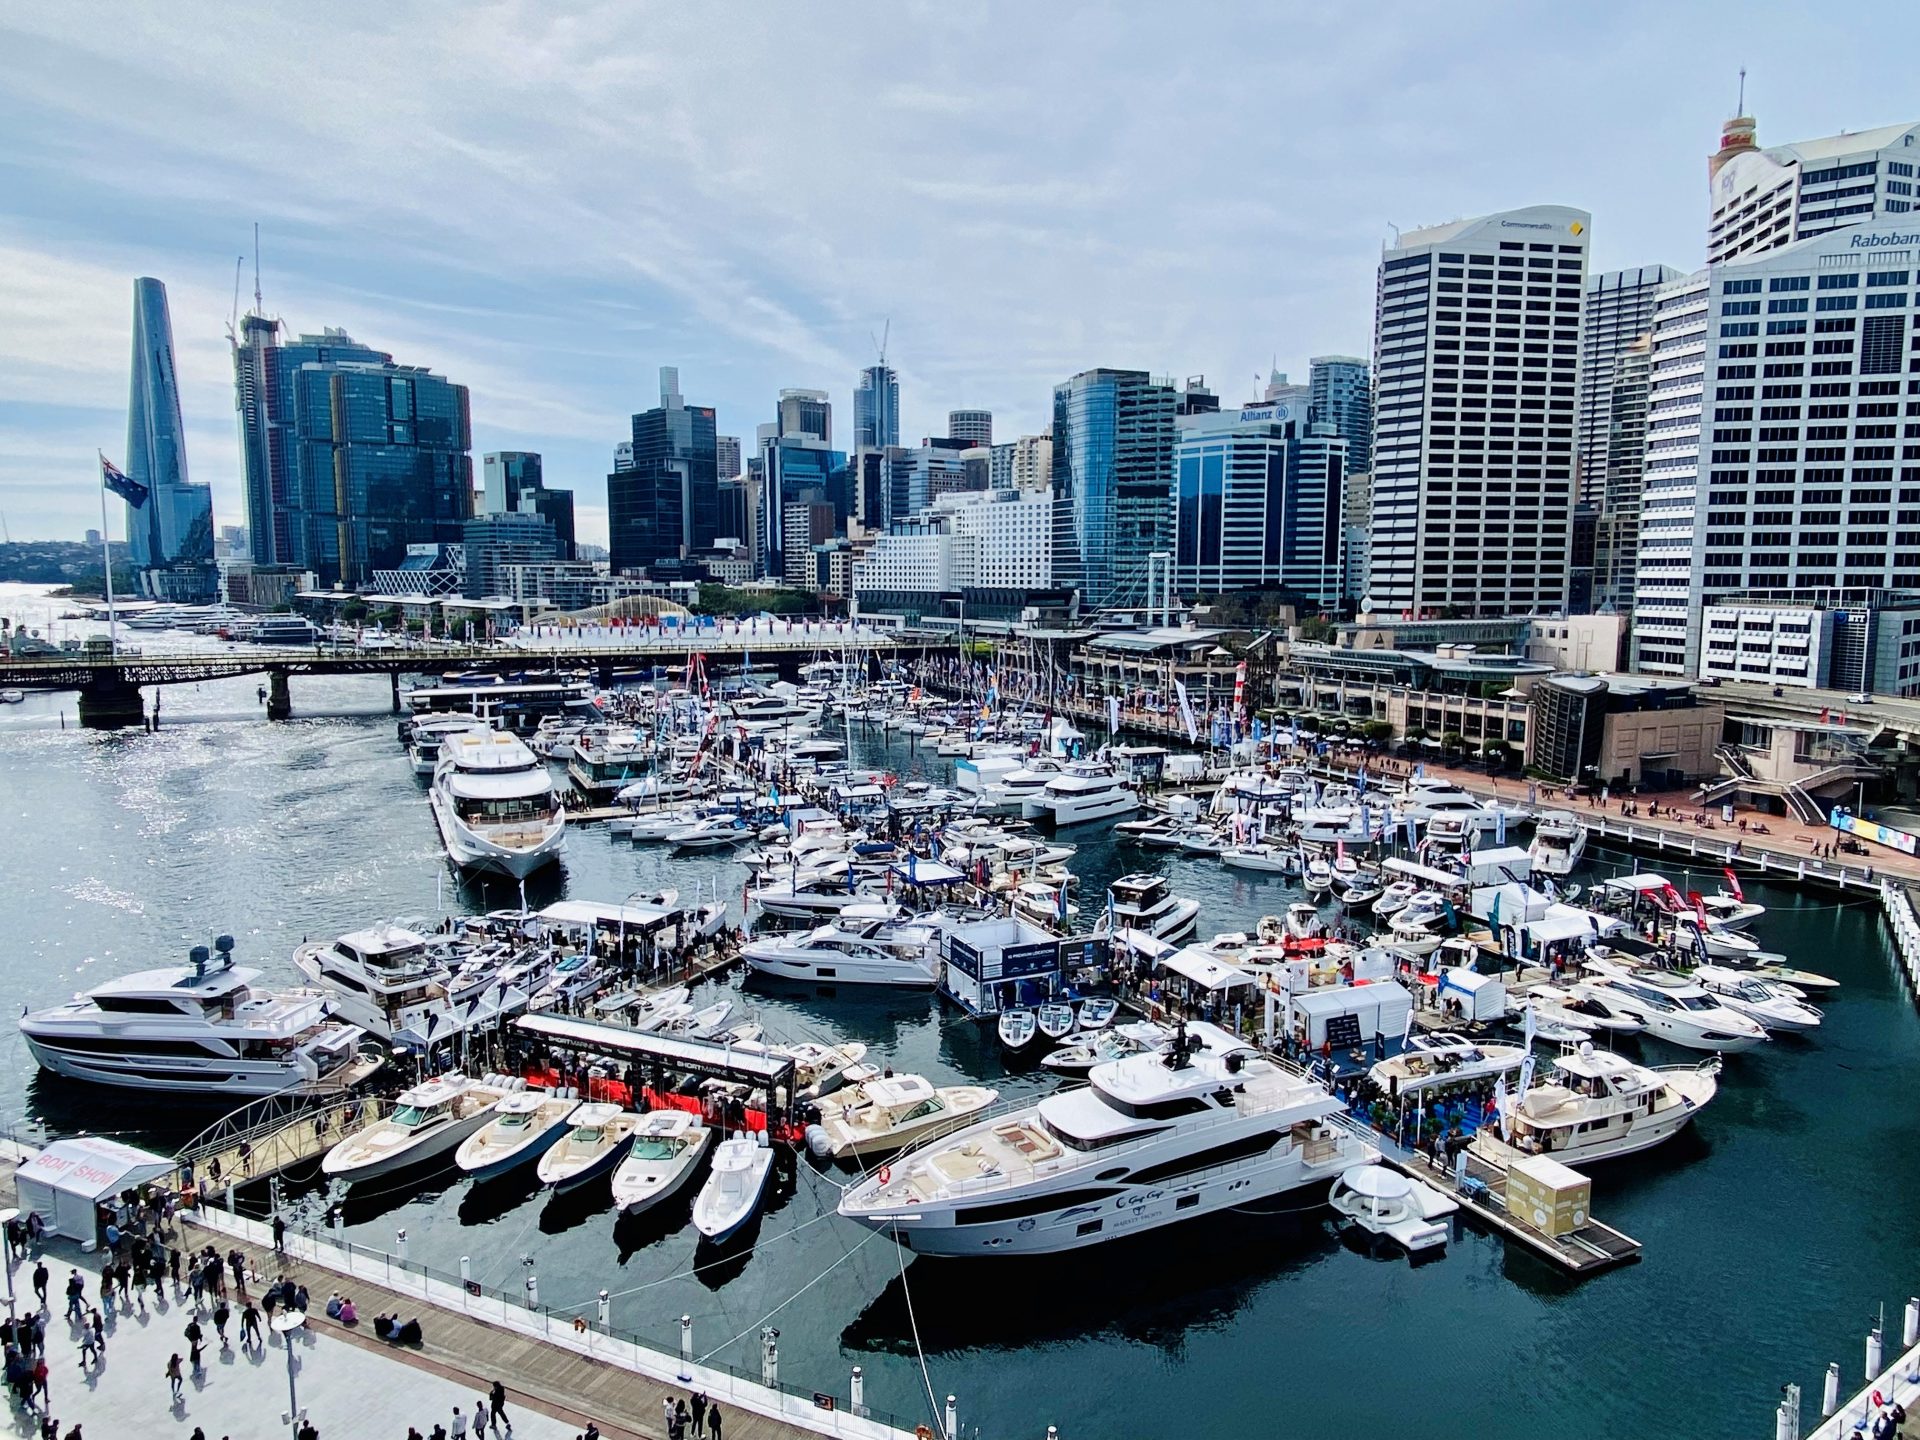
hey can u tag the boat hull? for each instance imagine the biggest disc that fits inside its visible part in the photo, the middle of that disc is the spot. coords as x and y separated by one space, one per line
215 1078
815 970
427 1148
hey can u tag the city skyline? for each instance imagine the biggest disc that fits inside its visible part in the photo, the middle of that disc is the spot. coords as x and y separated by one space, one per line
1046 261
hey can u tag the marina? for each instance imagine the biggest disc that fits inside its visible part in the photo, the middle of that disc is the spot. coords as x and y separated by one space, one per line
1248 1262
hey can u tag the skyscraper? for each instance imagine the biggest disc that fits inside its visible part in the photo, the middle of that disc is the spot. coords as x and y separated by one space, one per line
1617 519
800 470
1763 199
1342 387
1791 491
1619 314
668 504
501 538
265 371
1112 475
1476 367
876 409
1257 503
806 412
511 484
173 530
975 427
726 456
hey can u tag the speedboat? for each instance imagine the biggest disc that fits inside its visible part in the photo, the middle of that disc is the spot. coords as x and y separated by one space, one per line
1209 1125
1444 1060
1084 790
667 1147
1045 903
650 1010
1017 1028
1361 892
1085 1050
1146 902
1395 898
523 1127
1730 912
1559 840
700 1024
496 805
1319 877
1303 921
1674 1007
713 833
1098 1013
822 1069
597 1139
654 826
1597 1105
734 1186
893 1112
1148 825
1719 944
1055 1020
1420 926
1268 859
205 1029
427 1121
1578 1007
1776 1006
1199 840
1385 1202
877 952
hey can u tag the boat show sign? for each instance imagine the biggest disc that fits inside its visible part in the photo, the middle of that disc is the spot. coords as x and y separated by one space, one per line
1872 830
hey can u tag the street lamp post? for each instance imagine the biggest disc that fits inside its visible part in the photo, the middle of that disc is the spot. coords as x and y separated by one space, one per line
286 1322
7 1217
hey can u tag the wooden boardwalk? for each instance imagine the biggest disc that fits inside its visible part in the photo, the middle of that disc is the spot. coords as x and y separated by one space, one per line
578 1375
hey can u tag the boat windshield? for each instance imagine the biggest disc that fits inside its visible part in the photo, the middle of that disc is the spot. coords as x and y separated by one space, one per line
409 1116
657 1149
1095 1142
588 1135
516 1120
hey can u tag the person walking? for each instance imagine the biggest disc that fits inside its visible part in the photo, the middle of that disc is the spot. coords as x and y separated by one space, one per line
40 1278
713 1422
279 1235
76 1290
193 1332
174 1379
459 1424
99 1329
221 1314
480 1417
89 1351
249 1326
497 1403
39 1391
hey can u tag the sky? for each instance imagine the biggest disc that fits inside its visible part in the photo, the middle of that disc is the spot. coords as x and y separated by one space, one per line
547 202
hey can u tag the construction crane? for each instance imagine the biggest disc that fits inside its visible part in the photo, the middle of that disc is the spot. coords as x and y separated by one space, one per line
233 316
880 340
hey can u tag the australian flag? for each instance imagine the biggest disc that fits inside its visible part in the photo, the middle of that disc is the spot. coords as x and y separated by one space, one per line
116 480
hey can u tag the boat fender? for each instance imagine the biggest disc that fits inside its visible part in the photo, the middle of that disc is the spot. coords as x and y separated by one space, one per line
817 1141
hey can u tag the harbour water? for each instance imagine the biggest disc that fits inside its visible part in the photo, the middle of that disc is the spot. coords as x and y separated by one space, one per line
1772 1229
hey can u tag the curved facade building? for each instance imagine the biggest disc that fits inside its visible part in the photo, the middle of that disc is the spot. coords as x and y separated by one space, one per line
174 528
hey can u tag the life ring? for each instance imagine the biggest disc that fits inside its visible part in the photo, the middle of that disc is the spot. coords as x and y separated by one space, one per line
922 1432
886 1174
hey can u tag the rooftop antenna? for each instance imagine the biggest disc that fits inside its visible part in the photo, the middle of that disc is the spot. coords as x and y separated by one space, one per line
1741 107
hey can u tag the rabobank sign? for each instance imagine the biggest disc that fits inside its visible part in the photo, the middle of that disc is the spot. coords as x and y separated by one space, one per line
1887 241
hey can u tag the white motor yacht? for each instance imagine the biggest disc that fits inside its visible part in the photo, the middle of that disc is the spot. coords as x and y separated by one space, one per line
1674 1007
1303 921
1421 925
1146 902
426 735
1596 1105
386 979
734 1186
597 1139
1207 1126
1559 840
1361 892
524 1125
667 1149
1318 879
427 1121
811 894
893 1112
203 1029
1730 912
1774 1005
1083 791
1267 859
876 952
822 1069
1442 1059
496 806
1085 1050
714 833
1579 1008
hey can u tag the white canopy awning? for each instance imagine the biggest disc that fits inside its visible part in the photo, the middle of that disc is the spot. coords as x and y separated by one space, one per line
1205 971
65 1181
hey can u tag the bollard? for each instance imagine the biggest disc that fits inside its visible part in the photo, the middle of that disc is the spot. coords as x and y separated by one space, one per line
606 1311
400 1240
1876 1352
1786 1421
466 1270
1830 1392
686 1348
859 1392
533 1291
770 1358
230 1190
1053 1432
953 1418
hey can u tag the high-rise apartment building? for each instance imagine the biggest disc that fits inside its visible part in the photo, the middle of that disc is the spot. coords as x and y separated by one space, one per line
805 412
1112 467
1619 314
1776 470
667 505
1257 503
1342 396
173 530
1033 462
876 409
1621 488
1762 199
973 427
726 456
1476 371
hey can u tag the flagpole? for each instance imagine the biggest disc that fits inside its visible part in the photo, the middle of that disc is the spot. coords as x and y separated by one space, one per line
106 565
